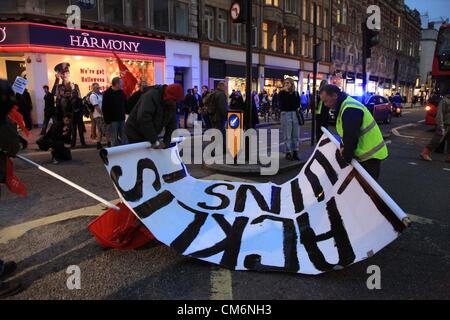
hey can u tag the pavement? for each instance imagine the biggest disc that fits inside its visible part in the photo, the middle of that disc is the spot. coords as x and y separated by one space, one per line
46 233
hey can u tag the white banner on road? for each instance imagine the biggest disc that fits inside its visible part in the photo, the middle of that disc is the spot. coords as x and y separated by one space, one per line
326 218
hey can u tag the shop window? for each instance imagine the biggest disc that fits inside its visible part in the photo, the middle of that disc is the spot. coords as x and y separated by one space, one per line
325 18
161 15
208 23
284 41
272 3
304 46
338 12
274 42
223 25
181 18
265 36
113 11
237 33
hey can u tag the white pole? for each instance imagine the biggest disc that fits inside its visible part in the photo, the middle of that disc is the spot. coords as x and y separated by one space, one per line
383 195
70 183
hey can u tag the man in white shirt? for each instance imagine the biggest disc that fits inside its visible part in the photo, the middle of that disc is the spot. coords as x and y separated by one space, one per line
96 99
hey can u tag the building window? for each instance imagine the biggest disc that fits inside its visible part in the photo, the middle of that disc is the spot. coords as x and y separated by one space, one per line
304 9
312 13
223 25
319 10
138 13
311 47
399 22
237 33
397 43
292 47
265 36
272 3
304 45
338 16
285 41
181 18
161 15
113 11
344 14
274 42
325 18
290 6
208 23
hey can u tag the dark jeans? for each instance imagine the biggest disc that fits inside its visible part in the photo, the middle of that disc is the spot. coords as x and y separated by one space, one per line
373 167
207 121
77 124
186 115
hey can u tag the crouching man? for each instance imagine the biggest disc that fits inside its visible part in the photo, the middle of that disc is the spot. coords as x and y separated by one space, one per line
154 112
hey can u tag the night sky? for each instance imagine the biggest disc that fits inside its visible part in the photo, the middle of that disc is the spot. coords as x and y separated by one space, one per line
435 8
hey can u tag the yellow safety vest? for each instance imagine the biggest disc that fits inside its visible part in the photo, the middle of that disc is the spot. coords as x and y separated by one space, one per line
371 144
319 108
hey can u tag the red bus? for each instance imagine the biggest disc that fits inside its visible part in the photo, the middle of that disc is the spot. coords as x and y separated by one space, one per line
441 62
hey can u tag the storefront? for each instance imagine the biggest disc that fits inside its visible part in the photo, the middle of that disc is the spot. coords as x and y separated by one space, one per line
34 50
372 84
274 79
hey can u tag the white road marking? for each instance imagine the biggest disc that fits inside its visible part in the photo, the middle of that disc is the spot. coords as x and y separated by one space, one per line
388 141
446 169
221 284
413 163
395 130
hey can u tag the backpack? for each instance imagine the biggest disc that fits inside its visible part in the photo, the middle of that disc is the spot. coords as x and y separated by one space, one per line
87 105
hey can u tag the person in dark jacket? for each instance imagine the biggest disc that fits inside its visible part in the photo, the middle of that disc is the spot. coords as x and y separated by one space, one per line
203 109
49 109
9 146
133 100
155 112
289 101
189 105
25 106
76 114
114 106
59 134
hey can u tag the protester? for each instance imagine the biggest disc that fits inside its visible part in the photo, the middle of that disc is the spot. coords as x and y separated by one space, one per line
9 147
25 107
198 99
360 135
203 108
443 127
49 109
63 88
322 113
56 138
133 100
96 99
290 123
154 112
250 121
114 106
76 113
219 108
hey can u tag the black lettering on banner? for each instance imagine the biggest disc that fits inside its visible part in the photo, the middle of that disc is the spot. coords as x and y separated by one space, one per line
225 201
175 176
275 199
324 142
297 196
387 212
342 242
184 240
340 160
230 245
154 204
314 180
291 264
135 194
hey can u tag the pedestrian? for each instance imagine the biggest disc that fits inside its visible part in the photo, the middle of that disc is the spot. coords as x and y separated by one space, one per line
49 109
203 107
304 103
361 137
25 106
76 113
290 122
154 112
218 110
9 146
322 113
96 100
114 106
189 105
198 98
133 100
442 133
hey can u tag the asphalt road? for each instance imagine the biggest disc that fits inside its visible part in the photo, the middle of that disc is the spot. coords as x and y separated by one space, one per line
46 233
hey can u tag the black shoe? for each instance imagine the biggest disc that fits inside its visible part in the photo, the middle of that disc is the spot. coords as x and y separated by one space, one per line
8 289
109 144
8 269
295 156
99 146
289 156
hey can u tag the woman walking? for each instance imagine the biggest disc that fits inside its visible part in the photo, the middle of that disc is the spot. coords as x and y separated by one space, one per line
289 101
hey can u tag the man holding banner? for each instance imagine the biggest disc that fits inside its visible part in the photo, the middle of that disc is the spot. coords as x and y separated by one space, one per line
361 138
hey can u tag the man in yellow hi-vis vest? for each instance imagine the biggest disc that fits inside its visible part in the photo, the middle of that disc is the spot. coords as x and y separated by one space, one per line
361 138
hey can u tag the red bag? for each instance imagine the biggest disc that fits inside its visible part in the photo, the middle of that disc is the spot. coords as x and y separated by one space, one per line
17 118
120 229
13 182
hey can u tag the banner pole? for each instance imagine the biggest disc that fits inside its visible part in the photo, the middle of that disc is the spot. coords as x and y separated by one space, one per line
70 183
378 189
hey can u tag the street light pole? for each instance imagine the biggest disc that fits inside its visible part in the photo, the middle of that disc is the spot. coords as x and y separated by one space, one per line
316 61
248 85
